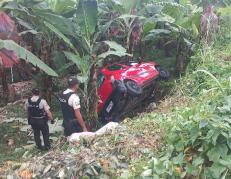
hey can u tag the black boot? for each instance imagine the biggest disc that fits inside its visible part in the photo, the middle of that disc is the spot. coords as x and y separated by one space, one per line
47 147
40 147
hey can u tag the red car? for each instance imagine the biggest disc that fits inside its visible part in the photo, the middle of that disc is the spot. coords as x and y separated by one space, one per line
121 86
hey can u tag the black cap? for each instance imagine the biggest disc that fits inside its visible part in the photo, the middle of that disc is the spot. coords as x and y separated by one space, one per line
35 91
72 81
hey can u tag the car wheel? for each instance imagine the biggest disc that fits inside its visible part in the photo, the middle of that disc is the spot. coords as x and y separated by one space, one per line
163 73
133 88
119 86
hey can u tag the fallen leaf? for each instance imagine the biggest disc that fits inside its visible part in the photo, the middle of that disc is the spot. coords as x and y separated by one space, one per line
26 174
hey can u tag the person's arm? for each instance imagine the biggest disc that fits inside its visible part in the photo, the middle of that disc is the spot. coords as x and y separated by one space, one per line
46 107
49 115
79 119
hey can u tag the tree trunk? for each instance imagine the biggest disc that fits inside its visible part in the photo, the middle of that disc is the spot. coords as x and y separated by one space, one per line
4 85
47 80
92 95
179 58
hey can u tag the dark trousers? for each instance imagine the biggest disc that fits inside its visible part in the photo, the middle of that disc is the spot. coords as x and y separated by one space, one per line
71 126
41 126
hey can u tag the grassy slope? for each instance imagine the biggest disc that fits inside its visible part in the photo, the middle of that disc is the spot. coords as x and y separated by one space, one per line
195 119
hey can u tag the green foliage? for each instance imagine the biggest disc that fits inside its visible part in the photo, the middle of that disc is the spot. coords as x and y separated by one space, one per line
197 136
62 6
87 17
11 131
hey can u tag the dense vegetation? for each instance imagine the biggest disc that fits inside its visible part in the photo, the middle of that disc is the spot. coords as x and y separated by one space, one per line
197 129
193 122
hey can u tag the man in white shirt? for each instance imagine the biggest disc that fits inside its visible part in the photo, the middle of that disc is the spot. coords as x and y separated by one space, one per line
38 113
70 104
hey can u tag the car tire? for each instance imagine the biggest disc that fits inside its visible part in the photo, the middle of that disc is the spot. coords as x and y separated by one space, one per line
119 86
163 73
132 88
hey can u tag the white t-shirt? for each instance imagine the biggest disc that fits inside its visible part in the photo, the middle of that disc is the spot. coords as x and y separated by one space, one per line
42 105
74 100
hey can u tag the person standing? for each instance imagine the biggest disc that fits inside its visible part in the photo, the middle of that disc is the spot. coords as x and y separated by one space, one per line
38 113
70 104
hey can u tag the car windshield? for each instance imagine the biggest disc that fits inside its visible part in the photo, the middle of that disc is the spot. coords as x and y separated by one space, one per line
100 79
115 67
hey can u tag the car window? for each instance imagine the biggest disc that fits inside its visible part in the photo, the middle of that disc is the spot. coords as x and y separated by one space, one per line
115 67
100 79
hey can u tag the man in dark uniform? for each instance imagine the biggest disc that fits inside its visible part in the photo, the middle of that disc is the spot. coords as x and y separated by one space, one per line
70 104
38 113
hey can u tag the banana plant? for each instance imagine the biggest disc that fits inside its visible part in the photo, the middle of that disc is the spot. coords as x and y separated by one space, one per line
80 36
95 52
177 22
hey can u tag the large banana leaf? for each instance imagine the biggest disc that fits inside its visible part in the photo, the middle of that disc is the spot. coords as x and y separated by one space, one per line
59 34
155 33
128 5
87 16
64 25
64 28
82 63
2 2
26 55
114 49
62 6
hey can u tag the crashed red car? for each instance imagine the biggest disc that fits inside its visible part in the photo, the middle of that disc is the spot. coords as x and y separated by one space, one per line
122 86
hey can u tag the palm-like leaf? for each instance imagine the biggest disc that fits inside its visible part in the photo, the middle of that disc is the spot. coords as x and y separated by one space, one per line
26 55
86 16
114 49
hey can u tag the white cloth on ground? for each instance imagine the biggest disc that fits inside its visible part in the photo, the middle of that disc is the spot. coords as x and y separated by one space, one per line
108 128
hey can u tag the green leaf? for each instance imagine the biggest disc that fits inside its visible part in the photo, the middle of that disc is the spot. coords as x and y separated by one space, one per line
81 63
226 161
114 49
211 76
193 19
194 134
64 25
216 170
153 9
4 1
184 2
129 16
62 6
115 46
203 123
155 33
195 30
148 27
224 11
179 145
229 143
34 32
27 56
215 136
216 152
128 5
192 169
60 35
87 16
178 159
198 161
